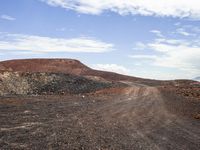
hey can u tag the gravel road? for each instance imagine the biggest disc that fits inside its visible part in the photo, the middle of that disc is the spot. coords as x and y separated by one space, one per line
142 118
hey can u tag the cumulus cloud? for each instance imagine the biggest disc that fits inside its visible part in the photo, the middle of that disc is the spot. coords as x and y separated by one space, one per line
173 8
7 17
22 42
113 68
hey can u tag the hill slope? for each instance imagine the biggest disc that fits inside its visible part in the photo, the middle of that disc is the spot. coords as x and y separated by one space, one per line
42 69
44 65
26 83
67 66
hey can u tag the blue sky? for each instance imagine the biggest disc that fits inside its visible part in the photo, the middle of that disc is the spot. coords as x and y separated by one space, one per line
139 38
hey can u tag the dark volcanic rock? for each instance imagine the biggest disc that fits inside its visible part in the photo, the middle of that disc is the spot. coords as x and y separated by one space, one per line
15 83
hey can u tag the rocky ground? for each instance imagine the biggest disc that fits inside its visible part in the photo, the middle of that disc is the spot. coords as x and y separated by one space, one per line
141 118
183 88
188 91
51 107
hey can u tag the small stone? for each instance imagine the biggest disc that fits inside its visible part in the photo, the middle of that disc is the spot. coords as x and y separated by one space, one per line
197 116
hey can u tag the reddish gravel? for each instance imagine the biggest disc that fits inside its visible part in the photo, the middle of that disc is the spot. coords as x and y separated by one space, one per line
141 118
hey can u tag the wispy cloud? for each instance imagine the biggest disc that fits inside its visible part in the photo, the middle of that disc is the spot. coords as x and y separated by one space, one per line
139 46
187 30
182 54
7 17
157 33
178 56
174 8
143 56
61 29
22 42
183 32
113 68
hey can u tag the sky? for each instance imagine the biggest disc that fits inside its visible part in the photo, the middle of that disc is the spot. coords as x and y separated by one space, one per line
142 38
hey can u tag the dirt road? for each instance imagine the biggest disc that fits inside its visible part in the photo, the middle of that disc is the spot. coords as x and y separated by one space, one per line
143 118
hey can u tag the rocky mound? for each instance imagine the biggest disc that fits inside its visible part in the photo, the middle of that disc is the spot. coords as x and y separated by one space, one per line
184 88
49 75
16 83
69 66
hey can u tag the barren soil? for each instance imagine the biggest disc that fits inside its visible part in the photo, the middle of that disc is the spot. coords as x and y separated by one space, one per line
141 117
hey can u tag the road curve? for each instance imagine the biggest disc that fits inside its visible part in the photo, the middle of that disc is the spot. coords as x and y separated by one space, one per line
144 113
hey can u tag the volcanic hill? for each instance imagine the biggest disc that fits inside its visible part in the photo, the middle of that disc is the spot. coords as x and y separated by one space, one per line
56 76
67 66
50 76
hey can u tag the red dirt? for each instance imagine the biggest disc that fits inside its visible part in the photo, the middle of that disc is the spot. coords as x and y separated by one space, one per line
71 66
119 90
44 65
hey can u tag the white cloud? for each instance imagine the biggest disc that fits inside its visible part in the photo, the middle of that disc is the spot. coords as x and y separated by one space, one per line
157 33
22 42
143 56
173 8
177 56
113 68
183 32
183 55
170 41
7 17
139 46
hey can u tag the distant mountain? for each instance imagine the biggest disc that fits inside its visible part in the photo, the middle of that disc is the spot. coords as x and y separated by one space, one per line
197 79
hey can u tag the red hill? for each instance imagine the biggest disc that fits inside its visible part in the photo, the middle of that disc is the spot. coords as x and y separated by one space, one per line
70 66
44 65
